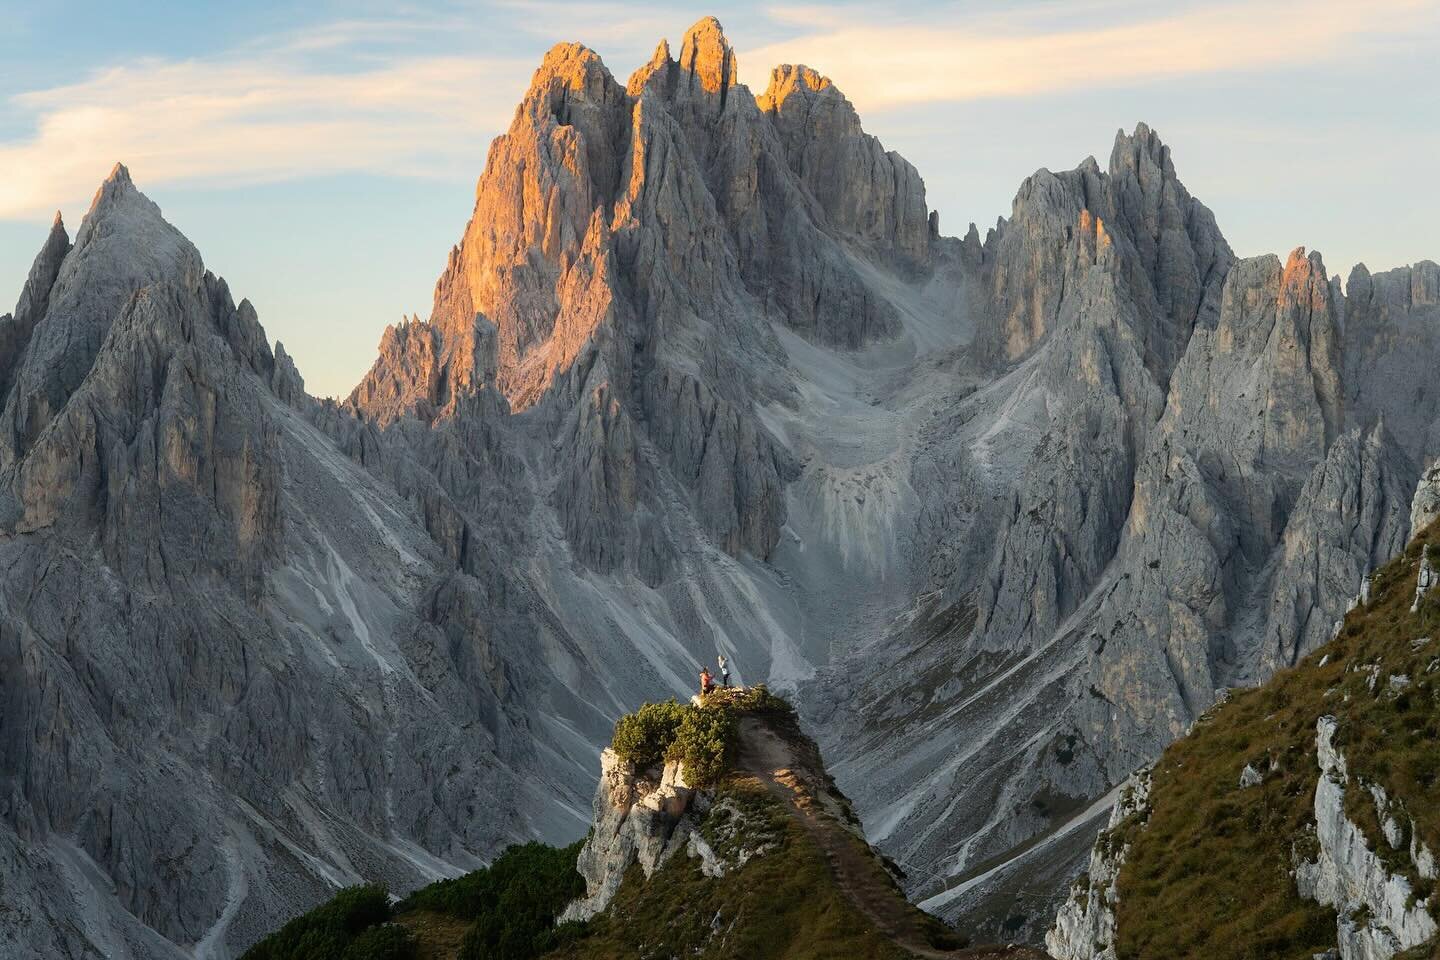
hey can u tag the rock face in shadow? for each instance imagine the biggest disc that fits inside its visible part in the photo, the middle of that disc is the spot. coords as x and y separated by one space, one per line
700 377
1157 490
1391 345
236 670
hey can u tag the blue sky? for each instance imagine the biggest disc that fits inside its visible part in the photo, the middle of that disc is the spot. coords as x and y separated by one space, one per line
323 156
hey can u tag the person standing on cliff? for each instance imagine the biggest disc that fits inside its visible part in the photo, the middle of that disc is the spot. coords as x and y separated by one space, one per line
724 671
707 682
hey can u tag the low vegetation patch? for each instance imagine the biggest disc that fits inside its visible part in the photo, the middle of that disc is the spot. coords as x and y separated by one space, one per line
743 822
512 904
644 737
507 911
702 737
351 926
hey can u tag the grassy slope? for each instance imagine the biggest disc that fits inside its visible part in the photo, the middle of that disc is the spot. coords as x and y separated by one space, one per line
1209 875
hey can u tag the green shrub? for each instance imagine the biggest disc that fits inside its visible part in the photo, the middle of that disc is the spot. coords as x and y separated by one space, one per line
326 932
389 941
705 743
759 699
644 737
513 902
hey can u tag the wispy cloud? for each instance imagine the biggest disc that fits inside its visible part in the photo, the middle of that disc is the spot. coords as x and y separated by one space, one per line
1025 52
248 120
600 26
396 94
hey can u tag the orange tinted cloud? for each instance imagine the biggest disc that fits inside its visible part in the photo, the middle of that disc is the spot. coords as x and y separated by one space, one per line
1011 54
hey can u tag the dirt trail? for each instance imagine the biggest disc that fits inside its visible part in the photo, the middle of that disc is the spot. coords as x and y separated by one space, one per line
858 873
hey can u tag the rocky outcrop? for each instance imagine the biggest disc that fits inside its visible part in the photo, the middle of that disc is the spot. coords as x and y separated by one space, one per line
1084 927
1379 916
1425 506
1425 578
640 817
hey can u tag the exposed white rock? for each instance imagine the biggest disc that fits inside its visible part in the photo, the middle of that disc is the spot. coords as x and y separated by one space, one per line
638 817
1421 856
1350 877
1425 507
646 817
1425 578
1250 777
1084 927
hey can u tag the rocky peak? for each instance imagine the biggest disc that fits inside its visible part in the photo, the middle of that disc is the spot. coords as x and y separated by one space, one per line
1425 284
660 64
867 194
116 193
707 57
16 329
788 79
123 244
1141 153
571 72
35 295
1178 243
1391 337
1307 300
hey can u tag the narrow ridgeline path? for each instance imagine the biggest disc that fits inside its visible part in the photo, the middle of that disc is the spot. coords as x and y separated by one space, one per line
798 781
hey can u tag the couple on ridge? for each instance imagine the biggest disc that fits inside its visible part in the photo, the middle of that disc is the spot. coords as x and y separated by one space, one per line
707 682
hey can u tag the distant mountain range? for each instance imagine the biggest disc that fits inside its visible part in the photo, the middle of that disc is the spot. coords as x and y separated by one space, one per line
703 376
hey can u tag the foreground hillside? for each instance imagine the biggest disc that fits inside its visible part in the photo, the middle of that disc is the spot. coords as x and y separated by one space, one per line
717 833
1297 818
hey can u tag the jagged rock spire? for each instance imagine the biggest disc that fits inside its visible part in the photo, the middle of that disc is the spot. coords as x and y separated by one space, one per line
15 331
707 57
123 244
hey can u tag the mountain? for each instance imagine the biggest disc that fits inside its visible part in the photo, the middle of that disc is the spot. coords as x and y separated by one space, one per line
1296 819
702 376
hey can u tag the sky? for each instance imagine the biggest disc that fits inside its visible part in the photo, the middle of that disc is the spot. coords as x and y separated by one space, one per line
323 156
